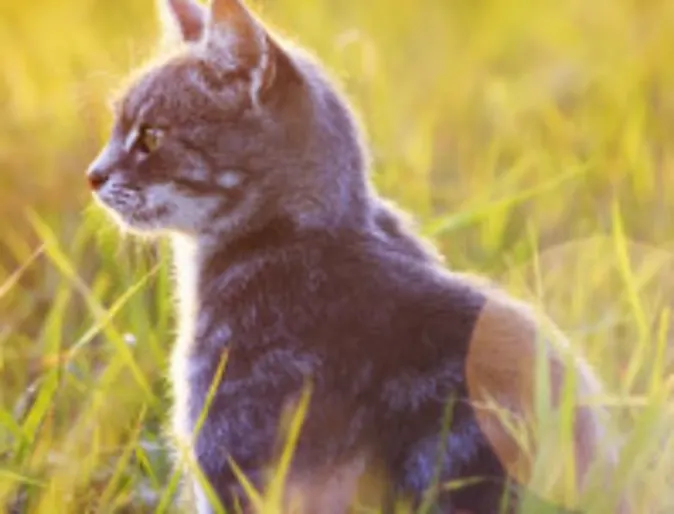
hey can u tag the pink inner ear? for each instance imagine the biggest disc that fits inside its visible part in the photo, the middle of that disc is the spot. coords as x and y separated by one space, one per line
231 11
233 28
190 17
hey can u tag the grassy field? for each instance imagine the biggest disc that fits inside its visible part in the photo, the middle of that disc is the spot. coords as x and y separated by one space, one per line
533 141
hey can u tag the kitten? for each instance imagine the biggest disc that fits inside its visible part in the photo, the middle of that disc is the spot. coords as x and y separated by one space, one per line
290 265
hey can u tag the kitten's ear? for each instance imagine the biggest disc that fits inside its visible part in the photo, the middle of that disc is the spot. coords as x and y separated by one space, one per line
183 20
237 39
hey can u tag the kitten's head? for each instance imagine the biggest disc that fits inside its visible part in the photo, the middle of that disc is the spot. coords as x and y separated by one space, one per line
230 130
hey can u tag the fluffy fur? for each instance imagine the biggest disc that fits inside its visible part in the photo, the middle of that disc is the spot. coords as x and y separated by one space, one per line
289 263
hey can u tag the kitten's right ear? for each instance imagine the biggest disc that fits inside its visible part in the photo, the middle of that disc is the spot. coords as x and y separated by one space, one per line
183 19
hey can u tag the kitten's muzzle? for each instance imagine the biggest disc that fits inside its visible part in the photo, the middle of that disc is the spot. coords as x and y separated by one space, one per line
100 170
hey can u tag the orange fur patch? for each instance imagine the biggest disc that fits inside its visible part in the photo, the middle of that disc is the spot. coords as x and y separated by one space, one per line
501 372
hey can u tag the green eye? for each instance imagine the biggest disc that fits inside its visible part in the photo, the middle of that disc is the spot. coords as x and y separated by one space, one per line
148 139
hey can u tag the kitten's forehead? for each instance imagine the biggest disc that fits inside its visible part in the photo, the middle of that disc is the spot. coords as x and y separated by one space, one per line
176 88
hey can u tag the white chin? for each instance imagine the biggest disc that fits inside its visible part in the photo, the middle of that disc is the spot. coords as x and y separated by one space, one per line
136 222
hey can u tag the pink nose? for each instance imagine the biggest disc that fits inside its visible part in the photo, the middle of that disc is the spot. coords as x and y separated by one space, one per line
97 177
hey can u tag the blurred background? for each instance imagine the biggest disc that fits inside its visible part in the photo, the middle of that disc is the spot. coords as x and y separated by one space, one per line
532 141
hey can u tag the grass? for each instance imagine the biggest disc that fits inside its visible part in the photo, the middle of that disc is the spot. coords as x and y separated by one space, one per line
532 140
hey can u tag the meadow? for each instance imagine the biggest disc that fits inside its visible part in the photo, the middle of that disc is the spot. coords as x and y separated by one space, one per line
532 140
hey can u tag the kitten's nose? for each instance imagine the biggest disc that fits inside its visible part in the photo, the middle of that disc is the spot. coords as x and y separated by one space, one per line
97 177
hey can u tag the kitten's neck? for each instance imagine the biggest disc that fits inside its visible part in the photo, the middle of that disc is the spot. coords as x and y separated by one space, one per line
196 258
199 256
199 260
188 259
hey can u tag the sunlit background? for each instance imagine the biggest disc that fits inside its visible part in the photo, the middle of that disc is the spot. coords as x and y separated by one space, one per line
532 140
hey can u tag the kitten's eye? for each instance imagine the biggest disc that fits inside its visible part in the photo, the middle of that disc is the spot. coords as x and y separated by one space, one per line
148 139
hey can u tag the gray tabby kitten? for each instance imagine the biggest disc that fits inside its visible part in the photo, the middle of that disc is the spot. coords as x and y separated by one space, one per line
288 263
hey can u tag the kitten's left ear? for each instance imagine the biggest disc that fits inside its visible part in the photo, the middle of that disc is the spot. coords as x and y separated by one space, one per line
182 19
237 39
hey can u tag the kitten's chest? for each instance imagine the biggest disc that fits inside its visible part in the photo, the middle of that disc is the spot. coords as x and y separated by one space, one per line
216 365
194 374
180 372
187 263
236 397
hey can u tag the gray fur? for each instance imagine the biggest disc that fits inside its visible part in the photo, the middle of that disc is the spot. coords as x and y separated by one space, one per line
288 260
